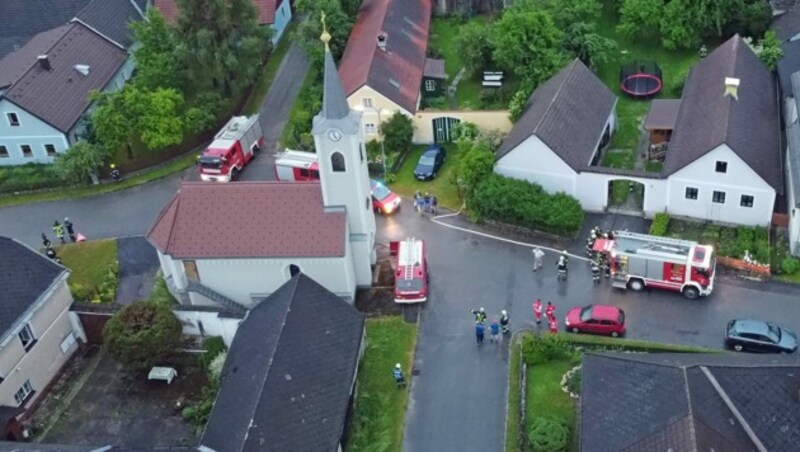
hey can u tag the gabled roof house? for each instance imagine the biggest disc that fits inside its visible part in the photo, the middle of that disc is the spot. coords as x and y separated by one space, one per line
685 402
275 14
289 374
45 88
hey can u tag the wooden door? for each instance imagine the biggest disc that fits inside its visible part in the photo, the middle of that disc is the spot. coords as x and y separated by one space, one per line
190 267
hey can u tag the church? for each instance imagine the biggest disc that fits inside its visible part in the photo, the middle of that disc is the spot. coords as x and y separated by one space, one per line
233 245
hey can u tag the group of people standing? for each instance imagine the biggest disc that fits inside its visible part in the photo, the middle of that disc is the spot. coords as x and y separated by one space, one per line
599 261
425 203
498 324
549 312
61 231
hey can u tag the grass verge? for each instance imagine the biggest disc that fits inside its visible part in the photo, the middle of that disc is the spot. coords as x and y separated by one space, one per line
90 264
513 414
160 172
380 407
545 397
442 186
264 81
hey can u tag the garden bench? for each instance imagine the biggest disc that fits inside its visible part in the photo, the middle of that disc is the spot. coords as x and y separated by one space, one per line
162 373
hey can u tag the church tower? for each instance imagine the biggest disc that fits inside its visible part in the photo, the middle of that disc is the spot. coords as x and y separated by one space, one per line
343 172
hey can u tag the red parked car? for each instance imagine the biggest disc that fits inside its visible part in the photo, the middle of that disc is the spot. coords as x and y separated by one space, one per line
384 200
596 319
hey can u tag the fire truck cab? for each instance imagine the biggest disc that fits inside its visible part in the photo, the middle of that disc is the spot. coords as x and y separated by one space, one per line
233 148
639 261
410 270
296 166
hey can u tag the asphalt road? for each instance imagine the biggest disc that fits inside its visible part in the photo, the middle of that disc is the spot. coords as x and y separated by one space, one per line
458 399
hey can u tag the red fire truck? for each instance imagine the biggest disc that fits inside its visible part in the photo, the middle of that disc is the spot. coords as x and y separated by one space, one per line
410 270
233 148
296 166
639 261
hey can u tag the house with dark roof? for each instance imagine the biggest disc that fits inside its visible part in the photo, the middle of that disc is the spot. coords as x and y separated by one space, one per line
232 245
566 123
722 154
275 14
385 69
23 19
45 88
289 375
683 402
37 336
786 23
112 19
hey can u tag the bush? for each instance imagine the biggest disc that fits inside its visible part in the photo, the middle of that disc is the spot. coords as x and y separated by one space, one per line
203 408
744 241
727 242
215 367
213 346
32 176
397 133
526 204
660 224
790 265
548 434
761 249
142 333
573 381
542 349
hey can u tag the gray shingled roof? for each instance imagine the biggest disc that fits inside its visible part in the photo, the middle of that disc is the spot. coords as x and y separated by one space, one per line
22 19
634 402
787 24
111 18
334 102
60 96
24 276
287 379
708 118
568 113
788 65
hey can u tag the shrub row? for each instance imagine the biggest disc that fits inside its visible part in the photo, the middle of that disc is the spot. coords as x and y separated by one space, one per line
526 204
728 241
32 176
105 292
660 224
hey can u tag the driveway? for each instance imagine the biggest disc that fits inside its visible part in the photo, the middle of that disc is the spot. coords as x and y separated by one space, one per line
458 399
138 265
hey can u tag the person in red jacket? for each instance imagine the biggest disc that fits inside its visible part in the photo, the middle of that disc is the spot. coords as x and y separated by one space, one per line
550 312
553 324
537 310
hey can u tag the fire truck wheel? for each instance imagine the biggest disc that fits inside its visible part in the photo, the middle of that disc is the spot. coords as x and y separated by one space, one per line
234 173
636 284
575 330
691 293
738 347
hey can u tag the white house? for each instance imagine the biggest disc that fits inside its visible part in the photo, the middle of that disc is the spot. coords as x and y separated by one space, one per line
793 164
566 123
723 160
235 244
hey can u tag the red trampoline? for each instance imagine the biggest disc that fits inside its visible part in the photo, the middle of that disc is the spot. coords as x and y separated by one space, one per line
640 79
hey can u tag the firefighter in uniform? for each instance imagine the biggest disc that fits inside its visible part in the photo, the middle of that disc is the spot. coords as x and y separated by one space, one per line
480 315
595 272
504 321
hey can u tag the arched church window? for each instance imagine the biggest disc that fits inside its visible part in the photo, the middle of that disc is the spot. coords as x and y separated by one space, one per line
337 162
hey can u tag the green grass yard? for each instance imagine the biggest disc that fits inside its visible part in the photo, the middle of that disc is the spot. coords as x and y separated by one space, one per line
545 397
88 262
380 407
442 186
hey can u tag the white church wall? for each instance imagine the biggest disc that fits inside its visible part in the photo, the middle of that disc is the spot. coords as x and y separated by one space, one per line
213 324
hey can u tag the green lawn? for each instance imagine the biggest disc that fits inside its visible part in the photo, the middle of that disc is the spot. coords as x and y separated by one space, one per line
89 264
160 172
513 414
545 397
442 186
380 407
264 80
442 39
674 66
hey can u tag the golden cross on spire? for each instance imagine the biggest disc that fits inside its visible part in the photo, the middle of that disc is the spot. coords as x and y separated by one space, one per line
325 37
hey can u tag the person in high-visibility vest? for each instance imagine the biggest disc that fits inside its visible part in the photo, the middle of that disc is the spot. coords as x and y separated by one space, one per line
399 378
58 230
480 315
537 310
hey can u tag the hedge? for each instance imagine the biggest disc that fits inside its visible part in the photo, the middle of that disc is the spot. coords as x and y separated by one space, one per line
526 204
660 224
631 344
29 177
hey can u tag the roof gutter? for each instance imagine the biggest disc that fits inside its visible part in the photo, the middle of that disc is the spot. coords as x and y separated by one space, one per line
729 403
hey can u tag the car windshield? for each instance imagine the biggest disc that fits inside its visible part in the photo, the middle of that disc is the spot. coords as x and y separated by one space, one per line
408 285
427 159
210 162
379 191
774 333
586 314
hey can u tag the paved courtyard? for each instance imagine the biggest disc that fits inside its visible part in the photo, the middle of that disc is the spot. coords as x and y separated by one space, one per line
111 407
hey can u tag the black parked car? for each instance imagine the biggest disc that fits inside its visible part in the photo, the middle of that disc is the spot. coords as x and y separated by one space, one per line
430 162
759 336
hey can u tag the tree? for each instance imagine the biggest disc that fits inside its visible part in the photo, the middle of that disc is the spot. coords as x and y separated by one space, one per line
203 114
397 132
592 48
156 66
80 163
114 123
160 122
517 105
308 32
640 18
564 13
221 44
475 164
474 44
768 49
528 44
142 333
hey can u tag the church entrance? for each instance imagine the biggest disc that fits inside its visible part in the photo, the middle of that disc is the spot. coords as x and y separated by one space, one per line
442 128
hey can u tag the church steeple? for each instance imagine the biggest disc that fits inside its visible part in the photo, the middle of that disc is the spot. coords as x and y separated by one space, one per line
334 102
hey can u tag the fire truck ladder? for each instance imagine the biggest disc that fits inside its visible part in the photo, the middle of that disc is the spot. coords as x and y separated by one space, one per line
659 244
410 258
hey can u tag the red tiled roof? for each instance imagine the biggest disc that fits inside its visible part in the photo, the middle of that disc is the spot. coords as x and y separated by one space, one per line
397 72
266 10
249 219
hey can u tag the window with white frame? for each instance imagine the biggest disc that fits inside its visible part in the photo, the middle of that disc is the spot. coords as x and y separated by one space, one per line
430 85
3 152
26 337
721 167
26 150
747 201
50 150
367 102
370 129
13 119
718 197
24 393
691 193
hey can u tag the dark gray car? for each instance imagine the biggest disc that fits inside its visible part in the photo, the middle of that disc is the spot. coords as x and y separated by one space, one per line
759 336
430 162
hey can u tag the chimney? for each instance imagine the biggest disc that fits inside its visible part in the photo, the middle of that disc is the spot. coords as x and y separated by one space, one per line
382 41
732 87
44 62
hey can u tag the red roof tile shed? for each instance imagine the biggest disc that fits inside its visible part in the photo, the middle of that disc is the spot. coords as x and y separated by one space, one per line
249 220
